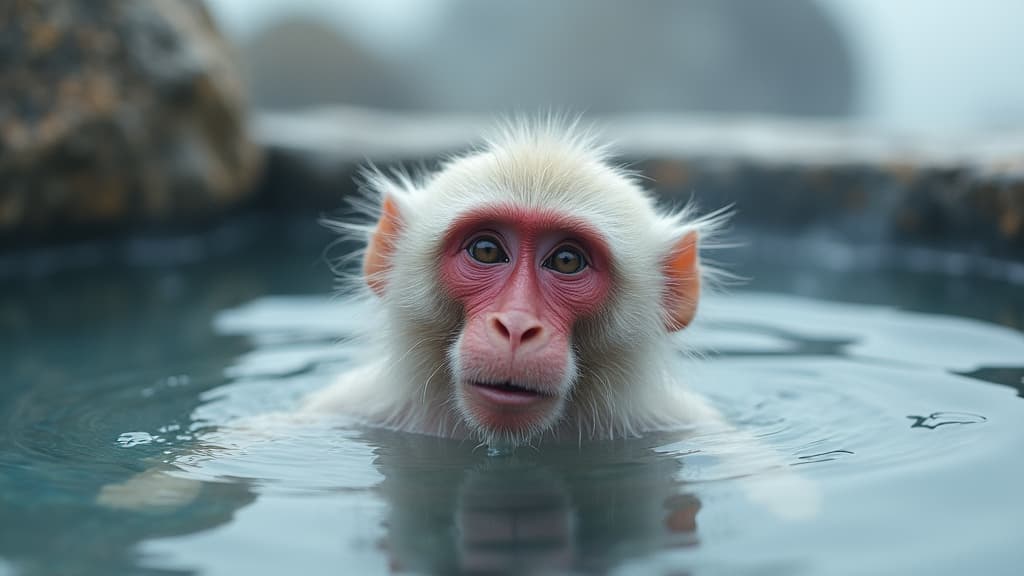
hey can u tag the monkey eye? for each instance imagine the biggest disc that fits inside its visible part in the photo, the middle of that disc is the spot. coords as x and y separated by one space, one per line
566 260
487 250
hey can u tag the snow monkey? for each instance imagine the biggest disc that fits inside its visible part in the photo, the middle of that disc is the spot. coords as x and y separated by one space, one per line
527 290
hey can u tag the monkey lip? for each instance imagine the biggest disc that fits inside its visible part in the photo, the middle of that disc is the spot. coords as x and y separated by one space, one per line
508 394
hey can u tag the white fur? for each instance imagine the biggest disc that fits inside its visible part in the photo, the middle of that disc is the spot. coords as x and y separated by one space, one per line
627 367
627 363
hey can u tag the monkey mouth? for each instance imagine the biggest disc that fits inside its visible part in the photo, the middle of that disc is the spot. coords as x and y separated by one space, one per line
508 393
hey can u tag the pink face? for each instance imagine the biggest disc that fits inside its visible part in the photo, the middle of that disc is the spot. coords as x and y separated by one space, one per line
523 278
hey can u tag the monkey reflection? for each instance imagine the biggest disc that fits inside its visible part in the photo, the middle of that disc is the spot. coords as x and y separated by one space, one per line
557 511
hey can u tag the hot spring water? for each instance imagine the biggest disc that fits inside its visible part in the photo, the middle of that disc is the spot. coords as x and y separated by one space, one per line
897 401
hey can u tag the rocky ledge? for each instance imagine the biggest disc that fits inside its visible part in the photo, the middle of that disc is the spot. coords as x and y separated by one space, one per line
832 180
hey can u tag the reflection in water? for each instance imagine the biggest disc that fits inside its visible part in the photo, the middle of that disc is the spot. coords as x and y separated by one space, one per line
513 522
1007 376
558 510
936 419
823 457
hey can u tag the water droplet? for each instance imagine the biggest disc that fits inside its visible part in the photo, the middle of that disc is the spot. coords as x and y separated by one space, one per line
129 439
499 449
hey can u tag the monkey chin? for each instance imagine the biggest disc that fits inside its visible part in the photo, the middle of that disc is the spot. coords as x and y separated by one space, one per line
507 413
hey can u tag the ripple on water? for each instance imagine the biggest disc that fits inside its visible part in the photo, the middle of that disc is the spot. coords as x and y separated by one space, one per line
79 436
822 382
854 397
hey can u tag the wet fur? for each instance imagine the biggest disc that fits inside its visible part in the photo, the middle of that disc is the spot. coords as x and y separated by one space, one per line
627 365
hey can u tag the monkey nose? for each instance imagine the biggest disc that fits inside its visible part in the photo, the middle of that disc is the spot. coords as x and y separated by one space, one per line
516 330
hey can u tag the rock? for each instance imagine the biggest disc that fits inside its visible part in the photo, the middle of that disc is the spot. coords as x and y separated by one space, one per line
823 179
117 112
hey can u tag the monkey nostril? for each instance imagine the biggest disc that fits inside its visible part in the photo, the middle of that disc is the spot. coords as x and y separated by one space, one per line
498 326
530 334
515 329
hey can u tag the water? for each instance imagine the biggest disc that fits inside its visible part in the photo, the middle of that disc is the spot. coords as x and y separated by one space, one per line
893 396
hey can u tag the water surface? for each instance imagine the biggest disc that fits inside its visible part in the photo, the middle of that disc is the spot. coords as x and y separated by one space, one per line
893 394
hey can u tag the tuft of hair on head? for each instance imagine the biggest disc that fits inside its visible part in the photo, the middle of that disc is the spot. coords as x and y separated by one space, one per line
565 131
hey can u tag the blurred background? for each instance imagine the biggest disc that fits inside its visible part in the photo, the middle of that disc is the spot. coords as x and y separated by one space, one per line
913 65
162 161
874 121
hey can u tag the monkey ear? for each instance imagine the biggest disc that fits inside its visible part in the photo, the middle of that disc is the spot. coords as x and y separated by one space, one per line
381 247
682 283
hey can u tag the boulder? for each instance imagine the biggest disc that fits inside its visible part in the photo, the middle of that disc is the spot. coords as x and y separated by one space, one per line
117 113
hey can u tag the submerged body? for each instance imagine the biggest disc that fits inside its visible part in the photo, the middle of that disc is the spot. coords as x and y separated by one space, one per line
526 290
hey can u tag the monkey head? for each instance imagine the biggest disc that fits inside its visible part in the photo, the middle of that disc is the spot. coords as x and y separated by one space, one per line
538 281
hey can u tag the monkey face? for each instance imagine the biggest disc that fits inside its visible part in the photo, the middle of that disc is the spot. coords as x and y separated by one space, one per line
523 278
542 280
